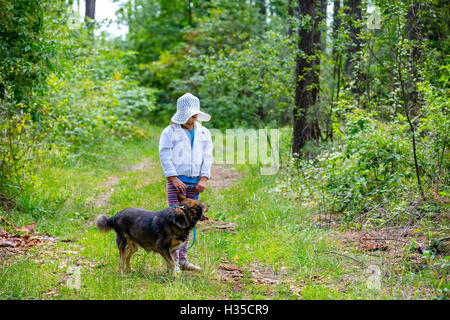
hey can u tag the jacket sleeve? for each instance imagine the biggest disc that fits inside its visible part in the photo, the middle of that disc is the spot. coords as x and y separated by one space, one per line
205 169
165 153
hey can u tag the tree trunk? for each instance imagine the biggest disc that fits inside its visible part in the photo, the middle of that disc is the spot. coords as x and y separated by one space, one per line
353 17
290 18
90 9
337 62
90 15
190 4
414 33
306 79
262 7
336 23
318 48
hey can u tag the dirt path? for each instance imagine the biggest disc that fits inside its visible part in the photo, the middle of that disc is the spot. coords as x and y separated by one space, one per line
71 261
222 177
102 199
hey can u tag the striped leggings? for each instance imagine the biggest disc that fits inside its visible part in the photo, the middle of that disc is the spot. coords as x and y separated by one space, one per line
191 193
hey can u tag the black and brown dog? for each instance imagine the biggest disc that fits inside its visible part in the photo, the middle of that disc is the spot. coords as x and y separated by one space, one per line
161 231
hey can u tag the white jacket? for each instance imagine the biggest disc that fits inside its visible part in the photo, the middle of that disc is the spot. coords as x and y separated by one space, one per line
178 158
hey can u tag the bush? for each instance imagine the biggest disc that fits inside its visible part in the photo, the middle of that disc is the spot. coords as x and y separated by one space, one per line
81 109
370 173
61 92
241 88
24 61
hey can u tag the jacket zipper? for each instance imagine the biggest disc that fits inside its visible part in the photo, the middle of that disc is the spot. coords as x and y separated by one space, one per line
192 147
192 151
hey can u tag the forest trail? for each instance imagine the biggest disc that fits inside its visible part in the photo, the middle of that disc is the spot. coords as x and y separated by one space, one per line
256 245
222 176
228 272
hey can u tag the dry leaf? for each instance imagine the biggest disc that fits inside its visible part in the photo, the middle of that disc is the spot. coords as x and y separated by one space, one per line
28 229
8 243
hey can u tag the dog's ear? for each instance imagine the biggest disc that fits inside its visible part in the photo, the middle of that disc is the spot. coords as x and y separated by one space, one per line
194 212
205 207
180 219
181 197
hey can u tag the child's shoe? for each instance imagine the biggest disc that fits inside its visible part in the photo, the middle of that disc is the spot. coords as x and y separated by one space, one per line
189 266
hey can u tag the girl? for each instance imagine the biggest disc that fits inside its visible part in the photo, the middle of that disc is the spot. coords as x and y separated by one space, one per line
185 151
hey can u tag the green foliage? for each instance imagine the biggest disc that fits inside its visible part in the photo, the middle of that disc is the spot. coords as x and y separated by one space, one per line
433 130
24 54
17 143
61 103
369 174
239 87
374 166
225 55
154 26
85 107
24 61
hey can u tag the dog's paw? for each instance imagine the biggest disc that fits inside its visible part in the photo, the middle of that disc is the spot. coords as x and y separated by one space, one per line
175 271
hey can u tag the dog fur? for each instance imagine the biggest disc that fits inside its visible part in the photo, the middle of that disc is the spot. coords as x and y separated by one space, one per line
161 231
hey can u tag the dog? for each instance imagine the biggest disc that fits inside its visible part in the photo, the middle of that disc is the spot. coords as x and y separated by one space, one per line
161 231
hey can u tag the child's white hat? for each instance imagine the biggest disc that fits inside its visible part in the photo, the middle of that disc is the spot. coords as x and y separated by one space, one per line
187 106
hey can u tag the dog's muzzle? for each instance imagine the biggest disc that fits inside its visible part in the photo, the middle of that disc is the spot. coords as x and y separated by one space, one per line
205 208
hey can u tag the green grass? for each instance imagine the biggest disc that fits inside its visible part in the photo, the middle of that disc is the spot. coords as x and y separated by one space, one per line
272 234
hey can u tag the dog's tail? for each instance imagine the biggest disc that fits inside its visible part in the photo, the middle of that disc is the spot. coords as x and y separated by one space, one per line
104 224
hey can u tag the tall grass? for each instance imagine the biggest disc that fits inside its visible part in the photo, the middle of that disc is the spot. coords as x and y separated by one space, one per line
272 234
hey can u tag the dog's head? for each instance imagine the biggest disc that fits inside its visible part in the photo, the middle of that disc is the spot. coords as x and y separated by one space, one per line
194 209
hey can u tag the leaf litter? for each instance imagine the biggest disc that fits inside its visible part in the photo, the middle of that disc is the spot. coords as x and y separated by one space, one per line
21 239
256 273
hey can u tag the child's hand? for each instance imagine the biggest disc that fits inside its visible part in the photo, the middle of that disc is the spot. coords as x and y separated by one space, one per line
178 184
201 184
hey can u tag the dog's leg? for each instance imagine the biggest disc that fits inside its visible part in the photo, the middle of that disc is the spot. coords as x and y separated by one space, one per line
121 261
122 245
130 250
171 266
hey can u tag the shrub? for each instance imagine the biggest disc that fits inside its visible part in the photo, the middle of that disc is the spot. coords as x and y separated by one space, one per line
370 173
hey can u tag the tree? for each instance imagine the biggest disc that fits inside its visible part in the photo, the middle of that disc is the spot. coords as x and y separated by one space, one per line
336 57
318 48
353 13
90 13
414 33
290 18
336 23
407 103
305 74
90 9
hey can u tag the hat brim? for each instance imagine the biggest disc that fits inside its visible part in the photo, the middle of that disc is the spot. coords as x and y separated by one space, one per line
179 118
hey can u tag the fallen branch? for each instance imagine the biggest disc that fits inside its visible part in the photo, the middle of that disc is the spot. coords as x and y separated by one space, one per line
342 255
27 229
7 222
368 239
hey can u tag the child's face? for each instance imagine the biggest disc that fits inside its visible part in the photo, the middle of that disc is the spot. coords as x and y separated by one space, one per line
192 119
